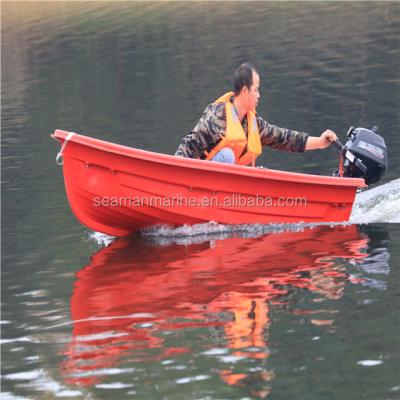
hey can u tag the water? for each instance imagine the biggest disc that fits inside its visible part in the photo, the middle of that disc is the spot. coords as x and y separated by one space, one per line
210 312
380 204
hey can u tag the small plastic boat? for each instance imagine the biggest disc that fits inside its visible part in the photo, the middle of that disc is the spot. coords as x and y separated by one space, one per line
117 190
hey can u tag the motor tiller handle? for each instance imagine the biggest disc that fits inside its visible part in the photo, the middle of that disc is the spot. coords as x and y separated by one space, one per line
338 144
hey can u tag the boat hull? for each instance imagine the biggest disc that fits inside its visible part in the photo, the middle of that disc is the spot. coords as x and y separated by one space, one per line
117 190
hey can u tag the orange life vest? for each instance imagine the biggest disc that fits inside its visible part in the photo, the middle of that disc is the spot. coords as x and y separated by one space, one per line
235 137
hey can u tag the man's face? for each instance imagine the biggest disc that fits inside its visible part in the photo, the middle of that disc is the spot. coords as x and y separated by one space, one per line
253 93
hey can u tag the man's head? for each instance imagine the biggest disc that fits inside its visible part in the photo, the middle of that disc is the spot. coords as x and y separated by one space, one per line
246 85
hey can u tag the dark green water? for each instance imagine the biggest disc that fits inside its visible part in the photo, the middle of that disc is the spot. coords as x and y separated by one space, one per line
306 314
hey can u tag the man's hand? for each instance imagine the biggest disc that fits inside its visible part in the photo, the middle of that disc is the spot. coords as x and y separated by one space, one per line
322 142
327 138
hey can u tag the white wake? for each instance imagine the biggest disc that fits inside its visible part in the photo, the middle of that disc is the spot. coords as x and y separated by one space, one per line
380 204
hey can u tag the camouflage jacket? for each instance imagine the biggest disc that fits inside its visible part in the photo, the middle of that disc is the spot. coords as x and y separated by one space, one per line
211 129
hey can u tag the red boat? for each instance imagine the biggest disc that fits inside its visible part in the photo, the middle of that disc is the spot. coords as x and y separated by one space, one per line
117 190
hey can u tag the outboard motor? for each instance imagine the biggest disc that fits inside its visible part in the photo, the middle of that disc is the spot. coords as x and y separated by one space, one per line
363 156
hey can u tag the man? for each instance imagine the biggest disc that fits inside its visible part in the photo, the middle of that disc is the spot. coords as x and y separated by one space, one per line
231 131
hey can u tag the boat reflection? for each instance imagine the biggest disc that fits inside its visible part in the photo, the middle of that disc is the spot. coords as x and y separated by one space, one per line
132 291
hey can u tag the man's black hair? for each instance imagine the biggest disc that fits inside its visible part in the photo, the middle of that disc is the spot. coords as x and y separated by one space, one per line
243 77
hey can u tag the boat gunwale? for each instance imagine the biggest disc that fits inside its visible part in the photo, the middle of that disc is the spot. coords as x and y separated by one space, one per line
183 162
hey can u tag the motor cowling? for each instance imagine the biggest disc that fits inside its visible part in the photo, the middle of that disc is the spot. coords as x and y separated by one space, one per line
365 155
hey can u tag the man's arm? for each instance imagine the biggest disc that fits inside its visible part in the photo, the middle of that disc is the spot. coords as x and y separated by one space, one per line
290 140
206 134
281 138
